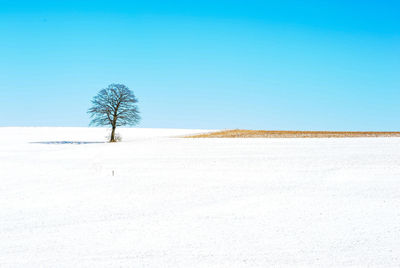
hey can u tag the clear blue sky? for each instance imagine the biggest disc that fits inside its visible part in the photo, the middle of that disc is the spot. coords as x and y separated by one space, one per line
301 65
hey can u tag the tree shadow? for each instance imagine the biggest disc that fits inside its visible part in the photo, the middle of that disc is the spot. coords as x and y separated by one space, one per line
67 142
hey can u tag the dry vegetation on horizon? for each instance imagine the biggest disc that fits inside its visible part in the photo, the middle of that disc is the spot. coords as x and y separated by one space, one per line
242 133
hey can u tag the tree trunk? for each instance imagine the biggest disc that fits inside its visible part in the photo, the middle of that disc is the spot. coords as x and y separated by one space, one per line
112 138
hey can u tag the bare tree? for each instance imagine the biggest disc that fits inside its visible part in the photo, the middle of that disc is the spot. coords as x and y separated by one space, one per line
114 106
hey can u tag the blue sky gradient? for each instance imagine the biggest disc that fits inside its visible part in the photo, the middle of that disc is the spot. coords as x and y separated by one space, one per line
290 65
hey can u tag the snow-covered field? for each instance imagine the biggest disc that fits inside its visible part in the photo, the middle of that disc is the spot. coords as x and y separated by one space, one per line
176 202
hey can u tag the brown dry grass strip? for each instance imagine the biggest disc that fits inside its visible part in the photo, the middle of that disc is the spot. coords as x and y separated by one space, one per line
242 133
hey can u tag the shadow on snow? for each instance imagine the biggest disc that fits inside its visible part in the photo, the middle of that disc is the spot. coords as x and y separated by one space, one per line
67 142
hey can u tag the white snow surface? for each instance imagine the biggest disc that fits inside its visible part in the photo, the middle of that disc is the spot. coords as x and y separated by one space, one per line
176 202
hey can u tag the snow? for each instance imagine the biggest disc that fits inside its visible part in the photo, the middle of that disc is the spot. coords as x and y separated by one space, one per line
176 202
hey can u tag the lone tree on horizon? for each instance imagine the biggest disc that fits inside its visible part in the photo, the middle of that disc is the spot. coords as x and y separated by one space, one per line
114 106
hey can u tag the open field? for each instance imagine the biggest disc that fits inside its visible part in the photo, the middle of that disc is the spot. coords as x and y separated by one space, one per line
242 133
175 202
